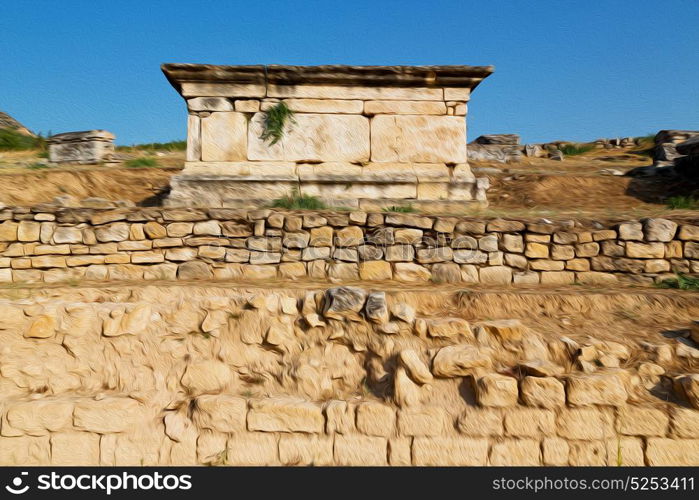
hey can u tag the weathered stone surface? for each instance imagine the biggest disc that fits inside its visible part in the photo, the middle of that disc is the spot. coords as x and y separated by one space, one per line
375 270
429 139
529 422
585 423
460 360
297 449
252 449
636 421
343 300
659 229
405 107
449 451
660 451
602 389
517 452
430 421
376 419
224 137
285 415
221 413
416 368
206 377
108 415
360 450
313 137
496 390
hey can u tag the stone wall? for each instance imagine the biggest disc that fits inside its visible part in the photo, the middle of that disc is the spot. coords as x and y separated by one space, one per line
52 245
341 376
358 137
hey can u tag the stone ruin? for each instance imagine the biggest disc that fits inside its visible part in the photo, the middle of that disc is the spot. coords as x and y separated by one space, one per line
355 136
88 147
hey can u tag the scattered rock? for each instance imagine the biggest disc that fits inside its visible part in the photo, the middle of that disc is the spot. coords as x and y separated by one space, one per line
459 360
343 301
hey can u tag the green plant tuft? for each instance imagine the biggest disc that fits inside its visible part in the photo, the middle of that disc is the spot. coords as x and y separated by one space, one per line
403 209
681 282
298 201
576 149
143 161
11 140
682 203
275 120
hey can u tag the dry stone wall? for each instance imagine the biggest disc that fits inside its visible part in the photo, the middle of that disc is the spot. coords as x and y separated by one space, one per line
343 376
54 245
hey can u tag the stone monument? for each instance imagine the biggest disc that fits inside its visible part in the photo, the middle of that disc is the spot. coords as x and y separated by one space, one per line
89 147
353 136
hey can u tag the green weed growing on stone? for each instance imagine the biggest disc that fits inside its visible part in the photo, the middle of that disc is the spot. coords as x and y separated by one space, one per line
682 203
298 201
681 282
276 119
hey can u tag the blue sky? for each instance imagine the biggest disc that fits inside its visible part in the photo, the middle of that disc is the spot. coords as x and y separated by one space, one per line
574 70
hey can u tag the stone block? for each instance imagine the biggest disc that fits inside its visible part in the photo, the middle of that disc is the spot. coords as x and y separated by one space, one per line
114 414
544 392
405 108
428 139
496 275
339 417
585 423
252 449
515 452
555 451
672 452
295 449
409 272
285 415
75 449
481 422
375 270
313 137
221 413
37 418
637 250
596 389
333 106
353 450
224 137
376 419
496 390
659 229
529 422
638 421
449 451
427 421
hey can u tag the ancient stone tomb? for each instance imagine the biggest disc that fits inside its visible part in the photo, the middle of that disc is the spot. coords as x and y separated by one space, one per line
354 136
91 146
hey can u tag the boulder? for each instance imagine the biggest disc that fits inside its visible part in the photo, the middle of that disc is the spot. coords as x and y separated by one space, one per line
342 301
459 360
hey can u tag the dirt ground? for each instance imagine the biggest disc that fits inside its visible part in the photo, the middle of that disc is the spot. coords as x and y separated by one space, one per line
578 186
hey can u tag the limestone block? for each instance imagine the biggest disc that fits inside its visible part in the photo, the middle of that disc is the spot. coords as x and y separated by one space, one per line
340 106
376 419
37 418
496 390
28 231
67 234
481 422
674 452
354 92
113 232
209 104
437 254
254 272
299 449
350 236
339 417
247 105
691 250
529 422
555 451
75 448
457 94
516 452
214 89
8 231
449 451
685 422
208 376
659 229
252 449
193 138
426 421
496 275
399 453
43 327
428 139
588 453
24 451
355 450
221 413
596 278
224 137
343 271
409 272
600 389
194 270
545 392
459 360
114 414
687 233
313 137
631 231
375 270
585 423
557 278
655 250
285 415
405 108
638 421
400 253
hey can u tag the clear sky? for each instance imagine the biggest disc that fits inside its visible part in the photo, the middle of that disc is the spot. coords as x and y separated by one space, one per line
574 70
